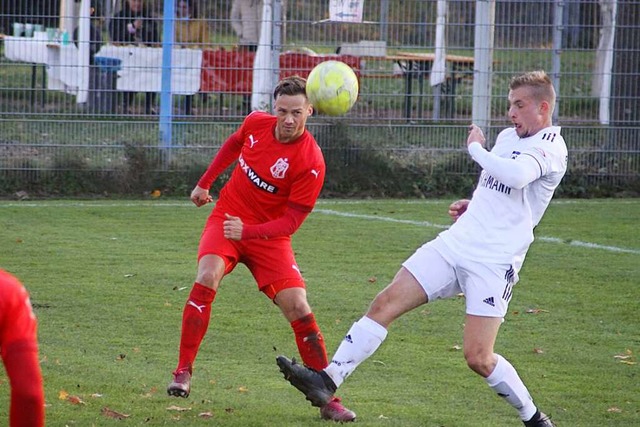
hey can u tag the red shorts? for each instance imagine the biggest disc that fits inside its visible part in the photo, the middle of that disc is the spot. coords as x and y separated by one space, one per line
270 261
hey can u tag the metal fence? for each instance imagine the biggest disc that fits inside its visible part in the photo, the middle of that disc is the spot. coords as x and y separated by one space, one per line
85 85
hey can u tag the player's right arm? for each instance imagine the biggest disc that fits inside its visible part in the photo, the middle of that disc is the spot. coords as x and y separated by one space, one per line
227 154
516 173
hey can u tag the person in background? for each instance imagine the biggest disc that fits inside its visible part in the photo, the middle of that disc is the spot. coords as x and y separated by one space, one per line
95 43
480 255
19 350
191 32
246 20
135 25
95 32
274 186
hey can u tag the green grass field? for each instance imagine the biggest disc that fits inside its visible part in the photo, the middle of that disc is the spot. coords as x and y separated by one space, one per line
108 280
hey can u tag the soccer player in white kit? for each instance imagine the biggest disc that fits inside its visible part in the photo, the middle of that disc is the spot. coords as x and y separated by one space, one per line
480 255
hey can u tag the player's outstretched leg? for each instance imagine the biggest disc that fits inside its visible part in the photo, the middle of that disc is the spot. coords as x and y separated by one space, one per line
317 388
539 420
181 384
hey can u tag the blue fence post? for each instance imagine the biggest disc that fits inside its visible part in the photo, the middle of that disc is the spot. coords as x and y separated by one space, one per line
166 115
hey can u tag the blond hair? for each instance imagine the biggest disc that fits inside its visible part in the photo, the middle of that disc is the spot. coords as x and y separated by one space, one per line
540 84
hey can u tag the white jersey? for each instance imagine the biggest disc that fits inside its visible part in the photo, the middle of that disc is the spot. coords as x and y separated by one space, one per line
515 187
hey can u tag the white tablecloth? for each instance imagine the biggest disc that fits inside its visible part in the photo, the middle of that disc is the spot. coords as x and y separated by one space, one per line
26 49
64 72
141 68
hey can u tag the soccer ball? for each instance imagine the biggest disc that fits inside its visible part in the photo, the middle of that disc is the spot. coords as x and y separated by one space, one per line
332 88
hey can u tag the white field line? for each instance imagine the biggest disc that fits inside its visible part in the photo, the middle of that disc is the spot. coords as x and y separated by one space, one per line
440 226
570 242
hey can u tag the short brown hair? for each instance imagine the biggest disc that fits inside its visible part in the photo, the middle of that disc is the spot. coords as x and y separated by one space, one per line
541 86
293 85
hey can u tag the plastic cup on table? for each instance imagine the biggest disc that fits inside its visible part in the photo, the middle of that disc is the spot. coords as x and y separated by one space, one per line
18 29
51 33
28 30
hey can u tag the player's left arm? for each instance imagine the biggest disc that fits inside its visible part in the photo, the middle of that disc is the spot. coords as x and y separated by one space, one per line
302 198
286 225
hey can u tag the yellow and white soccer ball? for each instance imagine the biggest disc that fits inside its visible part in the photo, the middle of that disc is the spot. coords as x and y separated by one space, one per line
332 88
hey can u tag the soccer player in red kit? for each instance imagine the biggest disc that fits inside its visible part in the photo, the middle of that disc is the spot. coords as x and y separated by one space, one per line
19 349
274 186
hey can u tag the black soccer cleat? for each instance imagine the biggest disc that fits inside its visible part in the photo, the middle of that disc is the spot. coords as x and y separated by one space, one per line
539 420
317 387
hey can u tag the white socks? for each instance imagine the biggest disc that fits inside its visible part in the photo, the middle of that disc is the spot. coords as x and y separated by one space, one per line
362 340
505 381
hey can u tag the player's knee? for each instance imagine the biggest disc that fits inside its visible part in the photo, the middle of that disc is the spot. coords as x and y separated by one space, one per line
293 302
209 277
378 305
480 362
297 308
381 309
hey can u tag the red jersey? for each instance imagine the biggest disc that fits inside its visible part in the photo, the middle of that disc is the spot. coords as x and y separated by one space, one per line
17 321
270 175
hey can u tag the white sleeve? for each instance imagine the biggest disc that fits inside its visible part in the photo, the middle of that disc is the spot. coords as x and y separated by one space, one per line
516 173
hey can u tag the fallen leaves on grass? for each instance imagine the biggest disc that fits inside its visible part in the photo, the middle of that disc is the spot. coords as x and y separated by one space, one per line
373 279
614 409
177 408
626 357
455 347
110 413
75 400
243 389
536 311
152 391
205 414
537 350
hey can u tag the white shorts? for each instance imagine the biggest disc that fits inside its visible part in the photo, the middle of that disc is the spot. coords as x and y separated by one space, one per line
443 274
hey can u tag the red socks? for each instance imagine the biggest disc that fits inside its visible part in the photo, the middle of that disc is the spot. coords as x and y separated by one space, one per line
310 342
195 321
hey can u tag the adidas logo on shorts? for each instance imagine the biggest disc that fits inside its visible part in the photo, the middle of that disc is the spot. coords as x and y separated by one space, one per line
489 301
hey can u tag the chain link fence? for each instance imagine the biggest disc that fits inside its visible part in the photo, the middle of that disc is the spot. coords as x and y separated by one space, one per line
90 103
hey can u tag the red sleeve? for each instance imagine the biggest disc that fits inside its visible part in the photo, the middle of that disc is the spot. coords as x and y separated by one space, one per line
227 154
286 225
27 394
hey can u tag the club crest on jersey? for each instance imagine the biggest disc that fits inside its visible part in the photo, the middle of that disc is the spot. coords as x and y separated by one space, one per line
515 154
279 168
